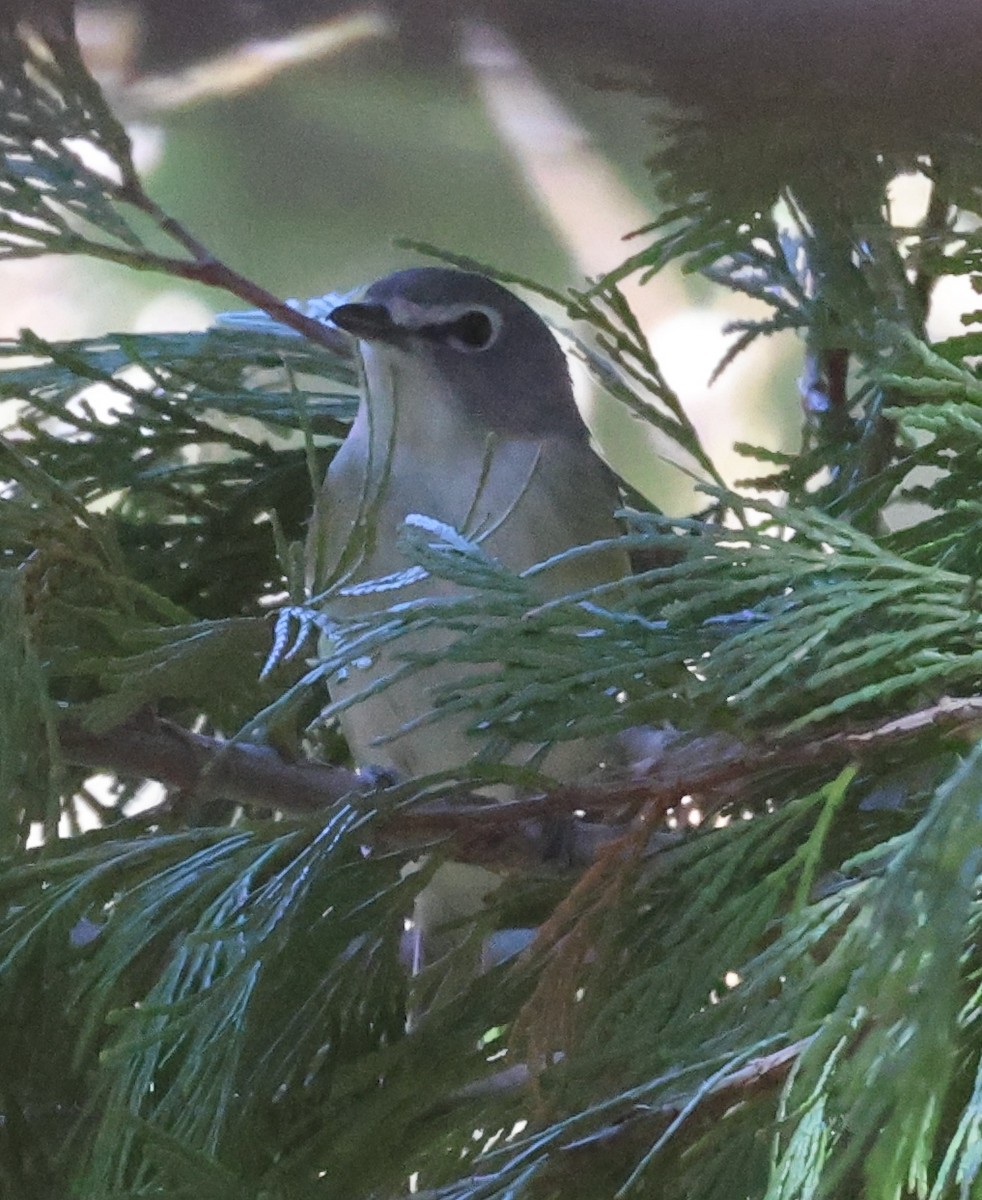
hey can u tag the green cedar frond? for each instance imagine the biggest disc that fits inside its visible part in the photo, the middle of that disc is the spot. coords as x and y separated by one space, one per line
781 1000
66 159
824 620
893 1039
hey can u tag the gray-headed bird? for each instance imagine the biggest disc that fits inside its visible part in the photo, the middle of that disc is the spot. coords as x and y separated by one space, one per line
467 417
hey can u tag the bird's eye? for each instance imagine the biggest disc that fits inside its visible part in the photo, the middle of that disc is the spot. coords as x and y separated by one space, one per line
473 331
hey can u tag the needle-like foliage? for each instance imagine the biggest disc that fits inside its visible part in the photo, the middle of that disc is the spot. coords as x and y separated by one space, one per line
756 971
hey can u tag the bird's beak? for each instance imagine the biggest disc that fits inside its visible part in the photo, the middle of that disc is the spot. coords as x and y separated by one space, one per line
372 322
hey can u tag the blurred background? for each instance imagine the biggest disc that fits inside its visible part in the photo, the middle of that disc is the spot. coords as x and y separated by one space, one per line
299 139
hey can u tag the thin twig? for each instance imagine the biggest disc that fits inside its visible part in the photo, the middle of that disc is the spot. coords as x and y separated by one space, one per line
205 268
765 1074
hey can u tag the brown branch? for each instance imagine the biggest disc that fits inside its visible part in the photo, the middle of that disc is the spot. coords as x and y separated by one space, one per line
760 1075
719 770
53 21
210 768
951 714
203 267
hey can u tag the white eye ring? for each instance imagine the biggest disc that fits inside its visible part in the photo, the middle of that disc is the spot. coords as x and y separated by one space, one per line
473 331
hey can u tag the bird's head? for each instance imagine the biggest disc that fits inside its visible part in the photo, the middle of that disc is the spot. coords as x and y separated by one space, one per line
471 340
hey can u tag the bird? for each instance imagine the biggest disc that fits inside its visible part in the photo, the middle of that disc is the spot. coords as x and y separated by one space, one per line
466 416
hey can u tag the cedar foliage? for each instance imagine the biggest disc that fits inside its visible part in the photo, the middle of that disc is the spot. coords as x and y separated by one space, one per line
206 999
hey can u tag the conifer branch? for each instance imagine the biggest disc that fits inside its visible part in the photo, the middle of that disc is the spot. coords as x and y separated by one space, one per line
209 768
717 771
760 1076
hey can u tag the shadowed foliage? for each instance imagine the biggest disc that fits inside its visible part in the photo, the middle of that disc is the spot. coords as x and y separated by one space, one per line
761 979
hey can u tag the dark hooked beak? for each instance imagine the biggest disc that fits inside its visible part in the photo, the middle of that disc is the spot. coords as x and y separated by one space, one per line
372 322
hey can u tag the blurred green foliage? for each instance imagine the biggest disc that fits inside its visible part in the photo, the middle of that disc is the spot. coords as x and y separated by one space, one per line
211 1002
